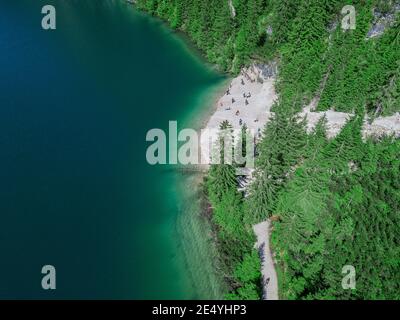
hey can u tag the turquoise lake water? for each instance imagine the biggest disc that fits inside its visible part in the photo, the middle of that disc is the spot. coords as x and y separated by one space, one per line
76 191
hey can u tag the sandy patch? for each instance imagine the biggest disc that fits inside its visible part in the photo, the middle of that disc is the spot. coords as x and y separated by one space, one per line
269 277
247 100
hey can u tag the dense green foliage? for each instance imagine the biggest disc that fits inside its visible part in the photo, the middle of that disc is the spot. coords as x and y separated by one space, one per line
318 58
336 202
235 239
342 207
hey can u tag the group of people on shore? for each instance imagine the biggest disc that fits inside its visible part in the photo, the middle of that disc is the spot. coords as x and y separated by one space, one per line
244 74
246 96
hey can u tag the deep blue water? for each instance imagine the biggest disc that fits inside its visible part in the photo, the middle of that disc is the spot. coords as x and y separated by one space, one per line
76 191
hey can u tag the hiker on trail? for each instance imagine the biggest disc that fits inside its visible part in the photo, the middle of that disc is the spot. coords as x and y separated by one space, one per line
247 102
242 82
237 112
233 100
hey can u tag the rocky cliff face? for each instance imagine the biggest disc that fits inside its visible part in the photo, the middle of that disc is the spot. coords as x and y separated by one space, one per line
383 20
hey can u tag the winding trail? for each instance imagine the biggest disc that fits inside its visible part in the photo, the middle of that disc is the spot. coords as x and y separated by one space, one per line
233 11
269 277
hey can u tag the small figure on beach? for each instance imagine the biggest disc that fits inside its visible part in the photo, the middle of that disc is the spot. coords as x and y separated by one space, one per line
228 92
256 120
240 122
227 109
233 100
244 95
247 102
242 82
237 112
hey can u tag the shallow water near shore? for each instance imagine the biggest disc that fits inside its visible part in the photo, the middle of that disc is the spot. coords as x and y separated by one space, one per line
76 191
